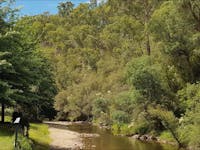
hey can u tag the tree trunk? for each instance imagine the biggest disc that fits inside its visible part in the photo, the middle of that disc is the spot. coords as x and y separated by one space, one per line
148 47
2 112
147 17
176 138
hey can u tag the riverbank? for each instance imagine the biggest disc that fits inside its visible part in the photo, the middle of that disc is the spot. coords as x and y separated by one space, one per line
39 135
150 138
64 139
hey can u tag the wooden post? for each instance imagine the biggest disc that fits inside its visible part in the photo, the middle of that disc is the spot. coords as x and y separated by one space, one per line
2 112
16 135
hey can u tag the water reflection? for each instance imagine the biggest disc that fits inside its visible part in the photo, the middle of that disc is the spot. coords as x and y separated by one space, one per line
107 141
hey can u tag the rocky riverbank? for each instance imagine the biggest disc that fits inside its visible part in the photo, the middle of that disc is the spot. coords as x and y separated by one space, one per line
70 140
150 138
64 139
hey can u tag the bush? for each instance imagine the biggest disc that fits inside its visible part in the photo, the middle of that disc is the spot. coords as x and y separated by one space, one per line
149 79
166 135
101 111
123 129
141 128
189 129
115 129
25 143
126 101
120 117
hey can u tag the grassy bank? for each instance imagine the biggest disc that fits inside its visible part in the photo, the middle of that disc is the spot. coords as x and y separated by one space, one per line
38 134
6 139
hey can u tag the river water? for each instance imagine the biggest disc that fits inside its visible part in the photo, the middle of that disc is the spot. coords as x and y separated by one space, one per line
107 141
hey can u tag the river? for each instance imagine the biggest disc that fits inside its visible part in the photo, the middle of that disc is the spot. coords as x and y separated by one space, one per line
107 141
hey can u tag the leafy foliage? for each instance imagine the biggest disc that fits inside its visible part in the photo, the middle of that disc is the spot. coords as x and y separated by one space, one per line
25 74
132 65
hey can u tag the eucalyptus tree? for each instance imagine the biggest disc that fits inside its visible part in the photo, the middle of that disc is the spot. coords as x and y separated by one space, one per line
193 7
65 8
141 10
93 3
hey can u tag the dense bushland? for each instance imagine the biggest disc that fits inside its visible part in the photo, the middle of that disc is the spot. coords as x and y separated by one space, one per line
132 65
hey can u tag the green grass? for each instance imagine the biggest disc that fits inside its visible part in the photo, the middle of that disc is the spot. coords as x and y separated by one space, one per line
6 139
39 134
8 119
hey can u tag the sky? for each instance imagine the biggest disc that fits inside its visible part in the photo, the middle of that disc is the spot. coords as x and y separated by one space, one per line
34 7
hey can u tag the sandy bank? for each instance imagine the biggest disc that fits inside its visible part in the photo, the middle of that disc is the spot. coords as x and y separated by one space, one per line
65 139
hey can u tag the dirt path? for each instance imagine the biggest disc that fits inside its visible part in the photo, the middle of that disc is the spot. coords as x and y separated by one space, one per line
64 139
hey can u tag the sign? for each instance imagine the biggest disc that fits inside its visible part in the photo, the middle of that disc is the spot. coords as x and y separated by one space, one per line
17 121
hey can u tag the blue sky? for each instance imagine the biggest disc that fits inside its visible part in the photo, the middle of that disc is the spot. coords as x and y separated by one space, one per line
34 7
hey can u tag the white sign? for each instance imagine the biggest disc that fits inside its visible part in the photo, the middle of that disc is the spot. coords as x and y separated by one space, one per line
17 120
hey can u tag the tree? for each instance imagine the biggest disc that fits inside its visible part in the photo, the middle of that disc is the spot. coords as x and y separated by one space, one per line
120 37
6 13
177 38
93 3
24 73
65 8
141 10
146 77
193 7
5 88
169 121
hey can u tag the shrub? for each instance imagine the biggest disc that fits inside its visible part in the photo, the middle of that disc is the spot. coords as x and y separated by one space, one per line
140 128
101 111
123 129
26 144
166 135
120 117
189 129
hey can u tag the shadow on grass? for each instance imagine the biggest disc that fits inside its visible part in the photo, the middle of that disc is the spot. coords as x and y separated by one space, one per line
40 146
4 132
34 127
6 129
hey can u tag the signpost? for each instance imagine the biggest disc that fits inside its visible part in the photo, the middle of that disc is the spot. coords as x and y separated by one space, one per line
16 122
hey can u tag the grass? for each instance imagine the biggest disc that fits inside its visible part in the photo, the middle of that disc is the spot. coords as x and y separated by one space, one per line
8 119
39 134
6 139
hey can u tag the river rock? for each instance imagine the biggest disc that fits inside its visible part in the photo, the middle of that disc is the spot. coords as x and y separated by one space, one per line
143 138
136 136
152 138
130 135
